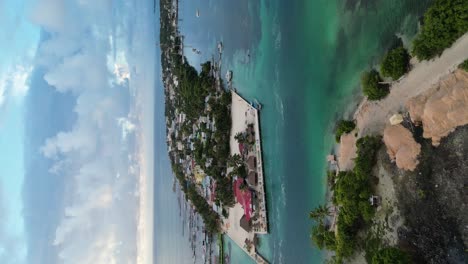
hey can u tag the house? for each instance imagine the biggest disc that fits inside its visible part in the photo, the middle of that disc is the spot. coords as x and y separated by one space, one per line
203 119
199 174
180 146
252 178
252 163
245 223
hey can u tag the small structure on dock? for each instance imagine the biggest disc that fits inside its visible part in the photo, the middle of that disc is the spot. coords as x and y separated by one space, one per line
245 223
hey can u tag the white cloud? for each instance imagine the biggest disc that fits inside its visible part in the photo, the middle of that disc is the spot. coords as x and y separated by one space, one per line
95 228
14 83
127 126
12 248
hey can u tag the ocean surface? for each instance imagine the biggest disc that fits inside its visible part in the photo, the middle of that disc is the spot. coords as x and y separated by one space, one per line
302 60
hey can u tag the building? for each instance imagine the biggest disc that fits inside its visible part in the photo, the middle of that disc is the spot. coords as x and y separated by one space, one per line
252 163
252 178
199 174
246 224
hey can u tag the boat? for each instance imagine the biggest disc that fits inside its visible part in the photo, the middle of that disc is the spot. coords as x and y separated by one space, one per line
229 76
220 47
198 13
259 105
256 104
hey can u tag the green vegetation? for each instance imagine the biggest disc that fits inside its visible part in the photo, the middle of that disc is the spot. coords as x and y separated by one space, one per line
319 213
444 22
331 177
351 193
390 255
372 87
464 65
343 127
395 63
221 248
210 218
322 237
191 96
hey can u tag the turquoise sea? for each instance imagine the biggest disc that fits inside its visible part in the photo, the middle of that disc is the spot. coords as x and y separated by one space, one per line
305 60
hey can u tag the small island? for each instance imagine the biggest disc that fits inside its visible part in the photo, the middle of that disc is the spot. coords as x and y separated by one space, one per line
214 143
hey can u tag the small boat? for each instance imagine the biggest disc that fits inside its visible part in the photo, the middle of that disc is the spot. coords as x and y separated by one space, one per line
229 76
220 47
198 13
256 104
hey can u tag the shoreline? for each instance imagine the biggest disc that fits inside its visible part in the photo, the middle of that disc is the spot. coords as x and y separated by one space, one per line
371 117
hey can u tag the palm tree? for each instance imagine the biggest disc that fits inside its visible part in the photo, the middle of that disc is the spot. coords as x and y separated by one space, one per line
235 160
240 137
319 213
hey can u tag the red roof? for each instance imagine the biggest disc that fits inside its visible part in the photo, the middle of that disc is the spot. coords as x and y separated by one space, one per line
244 197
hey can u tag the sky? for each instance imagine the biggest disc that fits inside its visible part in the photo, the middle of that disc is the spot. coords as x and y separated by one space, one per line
76 131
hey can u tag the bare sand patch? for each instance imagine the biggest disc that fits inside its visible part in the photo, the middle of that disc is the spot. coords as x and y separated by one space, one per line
347 151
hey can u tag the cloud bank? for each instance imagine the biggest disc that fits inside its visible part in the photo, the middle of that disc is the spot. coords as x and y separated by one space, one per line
106 210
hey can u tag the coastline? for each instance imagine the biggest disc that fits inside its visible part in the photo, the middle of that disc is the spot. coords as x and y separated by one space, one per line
371 117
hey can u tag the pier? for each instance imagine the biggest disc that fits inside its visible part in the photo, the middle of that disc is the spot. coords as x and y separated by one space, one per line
246 117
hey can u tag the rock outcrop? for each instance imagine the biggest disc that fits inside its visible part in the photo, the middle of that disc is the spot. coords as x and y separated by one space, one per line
442 108
401 147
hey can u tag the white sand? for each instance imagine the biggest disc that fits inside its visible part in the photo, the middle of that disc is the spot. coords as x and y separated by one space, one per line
241 115
234 230
347 151
372 117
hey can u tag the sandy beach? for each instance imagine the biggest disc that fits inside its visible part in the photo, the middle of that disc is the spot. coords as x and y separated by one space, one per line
371 117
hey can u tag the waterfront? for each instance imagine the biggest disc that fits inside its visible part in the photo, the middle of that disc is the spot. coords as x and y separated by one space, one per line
304 66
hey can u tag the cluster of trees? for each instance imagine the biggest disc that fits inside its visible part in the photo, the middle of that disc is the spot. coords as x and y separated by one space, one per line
391 255
190 95
395 63
444 22
351 193
210 217
343 127
193 88
372 85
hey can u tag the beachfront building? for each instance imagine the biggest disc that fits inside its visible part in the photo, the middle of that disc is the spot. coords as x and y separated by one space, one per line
245 223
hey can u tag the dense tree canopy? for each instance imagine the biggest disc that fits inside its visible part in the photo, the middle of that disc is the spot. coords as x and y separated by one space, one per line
371 86
395 63
351 193
390 255
322 237
343 127
444 22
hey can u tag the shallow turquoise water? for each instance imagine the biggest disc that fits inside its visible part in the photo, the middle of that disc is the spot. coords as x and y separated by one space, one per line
306 59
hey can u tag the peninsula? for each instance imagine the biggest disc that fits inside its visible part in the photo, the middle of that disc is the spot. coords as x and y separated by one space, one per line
214 142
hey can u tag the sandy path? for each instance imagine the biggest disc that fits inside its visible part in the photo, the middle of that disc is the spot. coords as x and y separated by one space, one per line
371 117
